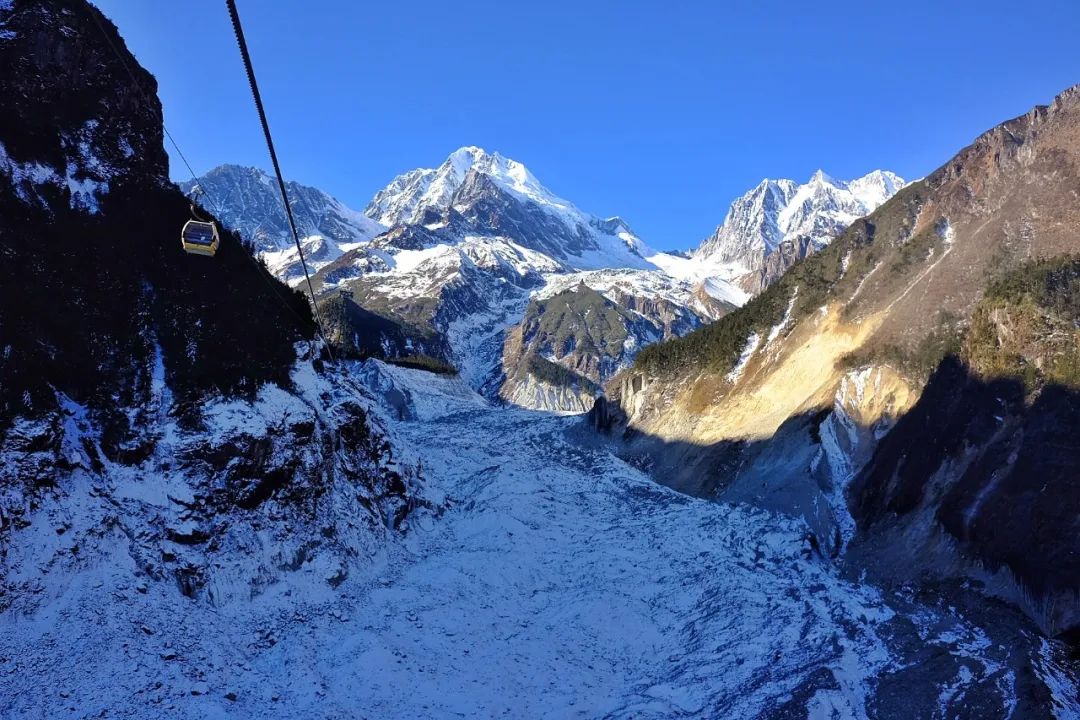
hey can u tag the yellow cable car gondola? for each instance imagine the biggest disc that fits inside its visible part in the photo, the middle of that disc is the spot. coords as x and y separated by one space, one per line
199 237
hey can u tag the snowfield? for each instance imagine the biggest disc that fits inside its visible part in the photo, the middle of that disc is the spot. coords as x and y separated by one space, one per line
544 578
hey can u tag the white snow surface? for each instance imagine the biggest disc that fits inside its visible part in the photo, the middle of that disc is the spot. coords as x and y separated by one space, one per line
784 321
1064 685
545 578
638 283
409 197
5 7
749 348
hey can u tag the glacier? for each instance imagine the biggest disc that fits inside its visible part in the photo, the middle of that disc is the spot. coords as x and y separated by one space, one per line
542 577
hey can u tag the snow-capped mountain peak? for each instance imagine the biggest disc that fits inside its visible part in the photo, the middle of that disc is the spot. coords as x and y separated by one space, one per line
411 196
821 178
480 193
874 188
782 210
407 197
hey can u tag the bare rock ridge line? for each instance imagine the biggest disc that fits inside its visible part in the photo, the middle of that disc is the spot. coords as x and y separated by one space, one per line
957 295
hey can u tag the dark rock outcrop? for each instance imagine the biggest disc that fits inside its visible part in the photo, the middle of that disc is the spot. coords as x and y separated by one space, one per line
93 277
604 415
127 362
1000 474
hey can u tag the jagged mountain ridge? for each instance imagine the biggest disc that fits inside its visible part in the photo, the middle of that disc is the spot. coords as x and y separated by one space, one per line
785 402
470 241
484 193
409 198
480 237
472 175
792 219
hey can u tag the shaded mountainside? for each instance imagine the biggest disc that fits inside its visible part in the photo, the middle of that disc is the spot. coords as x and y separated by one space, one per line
356 332
989 452
830 357
157 425
93 272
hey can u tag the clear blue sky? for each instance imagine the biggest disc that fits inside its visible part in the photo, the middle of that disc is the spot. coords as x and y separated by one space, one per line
661 112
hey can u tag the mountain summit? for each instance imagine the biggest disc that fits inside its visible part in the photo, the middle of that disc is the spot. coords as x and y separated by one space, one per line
804 217
411 196
485 192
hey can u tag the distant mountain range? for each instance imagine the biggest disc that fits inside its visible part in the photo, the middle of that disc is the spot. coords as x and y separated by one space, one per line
461 260
247 200
218 517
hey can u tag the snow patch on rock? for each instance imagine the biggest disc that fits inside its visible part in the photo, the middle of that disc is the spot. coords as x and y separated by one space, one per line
749 348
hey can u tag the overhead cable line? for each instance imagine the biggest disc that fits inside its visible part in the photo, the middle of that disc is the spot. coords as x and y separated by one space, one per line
260 270
234 15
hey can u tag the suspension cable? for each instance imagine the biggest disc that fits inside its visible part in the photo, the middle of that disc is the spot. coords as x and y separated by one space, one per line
259 269
249 68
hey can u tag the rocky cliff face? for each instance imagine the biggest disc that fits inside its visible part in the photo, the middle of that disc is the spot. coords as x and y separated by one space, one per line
579 338
987 453
71 129
775 264
575 339
162 423
892 296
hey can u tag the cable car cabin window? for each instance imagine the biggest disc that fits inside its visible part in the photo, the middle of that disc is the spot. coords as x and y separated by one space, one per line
200 238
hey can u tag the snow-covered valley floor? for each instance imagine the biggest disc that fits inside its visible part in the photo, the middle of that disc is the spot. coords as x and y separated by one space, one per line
555 582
